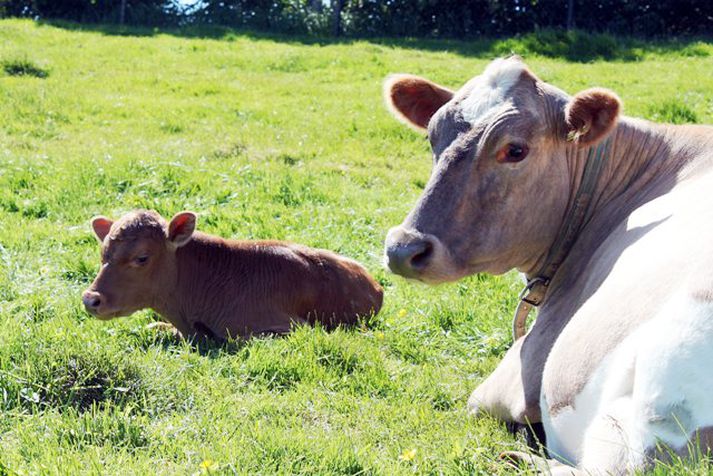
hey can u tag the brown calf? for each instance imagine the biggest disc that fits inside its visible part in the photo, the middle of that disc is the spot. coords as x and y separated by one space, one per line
207 286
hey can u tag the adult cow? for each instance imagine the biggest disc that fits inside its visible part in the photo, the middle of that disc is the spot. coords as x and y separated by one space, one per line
611 220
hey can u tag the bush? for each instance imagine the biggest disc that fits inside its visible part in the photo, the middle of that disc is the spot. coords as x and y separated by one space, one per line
570 45
395 18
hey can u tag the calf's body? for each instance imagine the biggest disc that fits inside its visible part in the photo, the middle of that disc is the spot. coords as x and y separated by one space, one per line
206 285
247 287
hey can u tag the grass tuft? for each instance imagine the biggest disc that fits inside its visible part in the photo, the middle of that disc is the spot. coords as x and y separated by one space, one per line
103 426
56 379
23 67
699 49
673 111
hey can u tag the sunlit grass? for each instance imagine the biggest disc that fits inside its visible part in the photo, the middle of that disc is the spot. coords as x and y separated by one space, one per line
262 138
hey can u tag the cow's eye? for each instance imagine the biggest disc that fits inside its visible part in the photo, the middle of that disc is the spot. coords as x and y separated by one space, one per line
141 260
512 153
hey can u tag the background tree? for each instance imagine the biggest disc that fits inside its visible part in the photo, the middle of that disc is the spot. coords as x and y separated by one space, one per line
396 18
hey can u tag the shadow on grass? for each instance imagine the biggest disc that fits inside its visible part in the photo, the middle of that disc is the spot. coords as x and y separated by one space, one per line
166 337
573 46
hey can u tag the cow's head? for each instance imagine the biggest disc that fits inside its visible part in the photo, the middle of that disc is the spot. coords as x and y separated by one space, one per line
504 149
137 261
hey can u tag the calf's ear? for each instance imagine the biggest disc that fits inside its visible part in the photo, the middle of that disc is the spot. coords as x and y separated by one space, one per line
414 100
591 115
181 228
101 226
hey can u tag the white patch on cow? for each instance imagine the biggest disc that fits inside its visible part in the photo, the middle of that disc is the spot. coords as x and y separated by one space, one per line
490 88
655 386
654 211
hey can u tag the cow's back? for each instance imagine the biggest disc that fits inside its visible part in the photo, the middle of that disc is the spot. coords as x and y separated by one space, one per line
344 291
251 287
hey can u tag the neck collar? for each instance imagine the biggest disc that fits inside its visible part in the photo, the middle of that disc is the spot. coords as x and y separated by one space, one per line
577 216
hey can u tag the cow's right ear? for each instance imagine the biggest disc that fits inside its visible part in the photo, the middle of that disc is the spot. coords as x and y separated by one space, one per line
591 115
101 226
414 100
181 228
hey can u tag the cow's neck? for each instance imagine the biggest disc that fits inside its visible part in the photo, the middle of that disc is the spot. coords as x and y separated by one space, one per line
169 300
190 296
639 167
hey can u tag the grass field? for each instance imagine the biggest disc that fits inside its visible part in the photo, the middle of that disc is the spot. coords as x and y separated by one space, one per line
264 138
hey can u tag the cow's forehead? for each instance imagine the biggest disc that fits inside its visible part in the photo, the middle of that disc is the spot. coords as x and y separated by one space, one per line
480 97
483 93
138 224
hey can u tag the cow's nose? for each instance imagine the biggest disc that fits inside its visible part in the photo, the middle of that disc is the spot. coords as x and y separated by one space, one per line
408 254
408 259
92 300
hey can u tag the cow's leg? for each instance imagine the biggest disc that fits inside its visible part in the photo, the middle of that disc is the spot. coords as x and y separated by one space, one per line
163 326
656 391
502 394
512 392
276 323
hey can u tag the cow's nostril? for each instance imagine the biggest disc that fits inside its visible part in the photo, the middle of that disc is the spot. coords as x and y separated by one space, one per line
420 260
91 300
409 259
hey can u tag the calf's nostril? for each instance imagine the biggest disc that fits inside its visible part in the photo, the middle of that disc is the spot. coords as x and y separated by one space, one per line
91 301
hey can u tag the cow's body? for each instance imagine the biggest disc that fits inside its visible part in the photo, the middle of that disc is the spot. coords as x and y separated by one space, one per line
219 288
265 286
633 293
620 356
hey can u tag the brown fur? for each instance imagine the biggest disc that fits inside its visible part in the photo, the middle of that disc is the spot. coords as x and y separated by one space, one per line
207 285
591 115
414 99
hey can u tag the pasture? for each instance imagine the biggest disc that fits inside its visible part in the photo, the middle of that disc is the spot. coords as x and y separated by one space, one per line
263 137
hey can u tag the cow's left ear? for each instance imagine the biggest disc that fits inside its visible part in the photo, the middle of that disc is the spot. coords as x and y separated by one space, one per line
181 228
591 115
414 100
101 226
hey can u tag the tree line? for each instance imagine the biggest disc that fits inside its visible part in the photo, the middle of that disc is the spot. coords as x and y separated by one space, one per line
393 18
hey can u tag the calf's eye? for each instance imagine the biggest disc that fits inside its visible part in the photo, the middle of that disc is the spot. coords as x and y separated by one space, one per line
512 153
141 260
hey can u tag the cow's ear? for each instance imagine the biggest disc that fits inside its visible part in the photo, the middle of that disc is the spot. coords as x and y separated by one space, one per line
591 115
101 226
181 228
414 100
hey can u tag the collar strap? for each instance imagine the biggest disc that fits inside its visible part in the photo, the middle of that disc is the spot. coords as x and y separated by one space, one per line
536 288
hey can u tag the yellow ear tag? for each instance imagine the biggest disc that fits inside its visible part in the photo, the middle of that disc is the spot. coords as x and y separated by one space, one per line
573 136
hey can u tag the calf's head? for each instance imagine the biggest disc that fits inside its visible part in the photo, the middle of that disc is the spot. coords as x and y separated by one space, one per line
137 261
505 163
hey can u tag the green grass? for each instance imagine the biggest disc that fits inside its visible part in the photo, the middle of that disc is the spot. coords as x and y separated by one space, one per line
23 67
264 138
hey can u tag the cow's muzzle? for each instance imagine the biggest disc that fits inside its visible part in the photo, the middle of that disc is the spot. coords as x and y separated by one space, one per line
92 301
96 304
410 253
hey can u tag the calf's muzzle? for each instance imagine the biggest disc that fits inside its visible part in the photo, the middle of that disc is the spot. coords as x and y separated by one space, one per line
92 301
